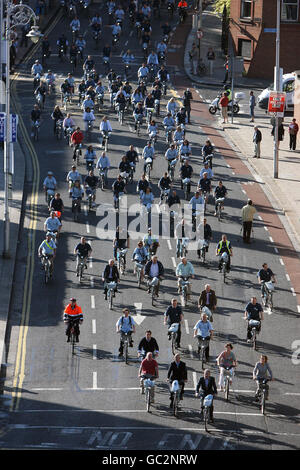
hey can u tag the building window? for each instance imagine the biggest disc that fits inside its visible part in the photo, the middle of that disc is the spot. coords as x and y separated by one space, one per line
290 10
246 8
244 48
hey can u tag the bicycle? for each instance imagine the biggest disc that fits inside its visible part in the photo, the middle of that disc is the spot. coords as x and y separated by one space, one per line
184 283
105 138
202 345
173 331
182 248
148 388
203 245
148 169
48 268
224 261
111 294
121 115
254 324
138 270
219 207
35 130
228 379
262 393
121 258
267 299
78 153
125 340
59 130
80 267
153 289
73 325
76 206
186 182
175 389
207 403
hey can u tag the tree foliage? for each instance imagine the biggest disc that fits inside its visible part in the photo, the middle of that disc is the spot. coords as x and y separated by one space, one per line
219 6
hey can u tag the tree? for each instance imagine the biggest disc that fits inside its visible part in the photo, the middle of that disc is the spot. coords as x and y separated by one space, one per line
220 4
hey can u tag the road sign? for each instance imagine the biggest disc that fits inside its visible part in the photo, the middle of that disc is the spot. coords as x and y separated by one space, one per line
276 103
2 126
13 127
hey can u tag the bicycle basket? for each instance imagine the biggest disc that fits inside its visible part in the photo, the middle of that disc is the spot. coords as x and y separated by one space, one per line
173 328
208 400
175 386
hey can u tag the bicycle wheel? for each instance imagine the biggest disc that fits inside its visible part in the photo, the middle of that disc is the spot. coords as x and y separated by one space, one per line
175 405
205 418
110 299
126 352
72 340
254 340
138 274
153 296
263 403
224 272
227 389
47 273
148 400
219 212
173 343
80 272
203 358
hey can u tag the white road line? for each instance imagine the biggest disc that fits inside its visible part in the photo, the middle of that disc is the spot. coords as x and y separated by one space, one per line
169 244
92 281
292 393
266 228
260 218
93 301
271 239
173 261
94 380
87 227
281 261
126 42
90 262
191 351
244 191
187 327
293 292
85 210
288 277
298 308
94 351
276 250
94 326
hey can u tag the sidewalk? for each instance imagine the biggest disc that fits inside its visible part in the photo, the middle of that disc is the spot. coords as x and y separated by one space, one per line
212 32
282 192
7 266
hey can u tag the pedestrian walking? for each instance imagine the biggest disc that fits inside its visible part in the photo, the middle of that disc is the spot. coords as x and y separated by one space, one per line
293 130
257 138
226 67
194 59
252 104
187 97
224 107
248 212
211 57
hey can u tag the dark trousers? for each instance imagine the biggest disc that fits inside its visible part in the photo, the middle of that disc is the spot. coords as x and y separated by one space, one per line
247 226
293 139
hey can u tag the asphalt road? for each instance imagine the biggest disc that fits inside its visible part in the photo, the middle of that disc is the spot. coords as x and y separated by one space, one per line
91 400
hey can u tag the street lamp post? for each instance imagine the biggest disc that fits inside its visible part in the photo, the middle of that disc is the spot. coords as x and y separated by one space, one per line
277 88
16 15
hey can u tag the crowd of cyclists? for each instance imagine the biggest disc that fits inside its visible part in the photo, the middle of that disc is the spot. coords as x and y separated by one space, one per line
143 102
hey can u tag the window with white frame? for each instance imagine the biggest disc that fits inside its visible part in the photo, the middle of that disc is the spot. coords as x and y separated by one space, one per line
290 10
246 8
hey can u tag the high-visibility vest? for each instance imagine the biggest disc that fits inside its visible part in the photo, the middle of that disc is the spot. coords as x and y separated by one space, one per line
220 245
73 311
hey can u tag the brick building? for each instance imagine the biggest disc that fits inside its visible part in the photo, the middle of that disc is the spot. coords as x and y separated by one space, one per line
253 31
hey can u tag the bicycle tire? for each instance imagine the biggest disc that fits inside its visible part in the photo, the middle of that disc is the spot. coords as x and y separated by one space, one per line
254 341
139 278
47 276
224 272
126 352
202 358
175 405
72 340
173 343
110 300
205 418
148 400
227 389
263 403
80 273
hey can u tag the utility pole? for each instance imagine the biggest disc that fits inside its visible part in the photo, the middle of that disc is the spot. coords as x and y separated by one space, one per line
277 88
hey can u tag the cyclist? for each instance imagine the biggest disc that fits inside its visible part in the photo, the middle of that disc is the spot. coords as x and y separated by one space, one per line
182 230
37 68
164 184
88 116
110 274
105 128
142 185
72 176
150 242
56 204
49 182
143 72
169 124
204 185
173 314
35 117
220 192
82 249
265 274
138 114
73 54
66 90
48 248
132 156
163 74
147 198
186 99
52 224
42 90
91 184
125 324
204 232
80 43
140 256
148 152
207 149
121 241
96 22
128 57
254 311
103 163
90 156
184 269
262 371
148 344
172 106
171 154
207 298
224 245
177 371
68 123
76 193
206 386
148 370
73 312
224 360
178 136
185 150
206 170
75 26
118 188
204 329
154 271
88 66
62 43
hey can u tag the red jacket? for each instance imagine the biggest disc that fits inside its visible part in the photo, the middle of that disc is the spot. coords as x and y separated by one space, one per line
224 101
77 137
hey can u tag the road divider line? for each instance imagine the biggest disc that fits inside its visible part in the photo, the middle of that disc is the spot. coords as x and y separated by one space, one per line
191 351
94 352
94 326
288 277
187 327
169 244
94 380
93 302
173 261
281 261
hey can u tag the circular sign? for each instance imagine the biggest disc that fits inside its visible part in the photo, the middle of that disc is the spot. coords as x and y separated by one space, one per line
199 34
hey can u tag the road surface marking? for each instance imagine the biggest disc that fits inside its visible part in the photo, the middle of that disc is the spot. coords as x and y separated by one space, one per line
266 228
276 250
271 239
187 327
93 301
173 261
87 227
169 244
191 351
94 351
293 292
94 380
195 379
288 277
94 326
92 281
281 261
